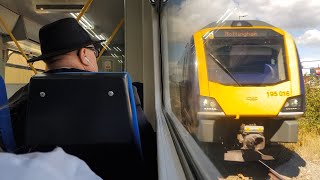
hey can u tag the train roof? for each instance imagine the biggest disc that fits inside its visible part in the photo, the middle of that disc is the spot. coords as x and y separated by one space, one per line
238 23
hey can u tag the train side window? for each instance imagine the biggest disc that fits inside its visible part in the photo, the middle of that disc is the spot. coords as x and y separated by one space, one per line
182 95
281 65
185 64
227 77
191 62
17 71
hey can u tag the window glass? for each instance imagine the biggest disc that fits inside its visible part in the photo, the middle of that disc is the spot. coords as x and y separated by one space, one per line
231 71
17 70
245 61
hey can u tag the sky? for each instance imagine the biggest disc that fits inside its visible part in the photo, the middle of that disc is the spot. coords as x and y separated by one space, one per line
301 18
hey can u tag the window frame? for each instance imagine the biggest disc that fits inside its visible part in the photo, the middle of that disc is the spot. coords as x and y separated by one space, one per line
194 161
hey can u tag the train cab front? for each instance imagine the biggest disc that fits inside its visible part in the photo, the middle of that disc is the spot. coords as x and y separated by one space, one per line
250 87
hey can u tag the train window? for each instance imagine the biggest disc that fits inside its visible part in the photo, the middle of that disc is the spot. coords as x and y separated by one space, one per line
17 71
233 70
257 61
17 65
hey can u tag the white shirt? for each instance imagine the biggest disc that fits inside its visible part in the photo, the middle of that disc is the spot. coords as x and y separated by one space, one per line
55 165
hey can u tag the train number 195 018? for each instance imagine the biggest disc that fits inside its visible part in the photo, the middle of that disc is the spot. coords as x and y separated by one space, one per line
278 93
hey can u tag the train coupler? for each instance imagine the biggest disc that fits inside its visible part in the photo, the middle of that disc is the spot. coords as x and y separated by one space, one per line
251 137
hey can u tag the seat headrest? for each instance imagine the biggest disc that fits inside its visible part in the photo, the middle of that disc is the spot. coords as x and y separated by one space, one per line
81 109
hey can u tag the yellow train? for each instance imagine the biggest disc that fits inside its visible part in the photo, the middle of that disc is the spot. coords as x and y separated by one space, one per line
242 84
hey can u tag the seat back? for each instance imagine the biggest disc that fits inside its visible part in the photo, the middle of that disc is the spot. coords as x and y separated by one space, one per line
85 112
6 133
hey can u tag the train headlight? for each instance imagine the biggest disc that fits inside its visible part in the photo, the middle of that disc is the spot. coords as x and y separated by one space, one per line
209 104
293 104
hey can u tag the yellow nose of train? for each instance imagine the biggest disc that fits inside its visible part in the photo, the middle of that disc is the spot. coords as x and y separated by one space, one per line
251 101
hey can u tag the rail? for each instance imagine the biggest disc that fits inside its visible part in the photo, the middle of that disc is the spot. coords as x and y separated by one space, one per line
274 175
110 39
84 9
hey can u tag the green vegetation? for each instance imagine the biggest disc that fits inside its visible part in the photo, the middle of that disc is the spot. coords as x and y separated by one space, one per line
308 145
311 119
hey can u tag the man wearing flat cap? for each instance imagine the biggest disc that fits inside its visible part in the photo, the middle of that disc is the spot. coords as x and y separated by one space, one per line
67 47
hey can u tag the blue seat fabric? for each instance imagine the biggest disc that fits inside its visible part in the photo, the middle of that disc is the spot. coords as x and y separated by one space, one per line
6 133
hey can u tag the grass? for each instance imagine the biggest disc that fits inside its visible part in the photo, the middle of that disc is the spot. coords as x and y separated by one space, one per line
308 145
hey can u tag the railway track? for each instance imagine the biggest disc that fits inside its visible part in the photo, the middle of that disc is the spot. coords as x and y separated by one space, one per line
274 175
259 169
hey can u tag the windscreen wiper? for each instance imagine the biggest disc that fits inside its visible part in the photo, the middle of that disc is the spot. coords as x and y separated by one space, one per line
224 69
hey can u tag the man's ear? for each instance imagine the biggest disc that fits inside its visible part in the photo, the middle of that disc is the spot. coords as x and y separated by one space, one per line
82 56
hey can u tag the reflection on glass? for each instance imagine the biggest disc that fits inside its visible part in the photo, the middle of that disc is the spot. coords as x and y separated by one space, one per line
232 77
245 60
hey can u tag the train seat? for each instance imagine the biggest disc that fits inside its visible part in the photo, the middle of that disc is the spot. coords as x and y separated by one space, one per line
6 134
89 115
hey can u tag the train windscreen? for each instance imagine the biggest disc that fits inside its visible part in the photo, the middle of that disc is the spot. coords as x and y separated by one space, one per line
245 57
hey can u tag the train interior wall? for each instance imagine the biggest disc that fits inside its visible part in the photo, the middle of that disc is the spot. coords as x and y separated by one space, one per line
139 53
